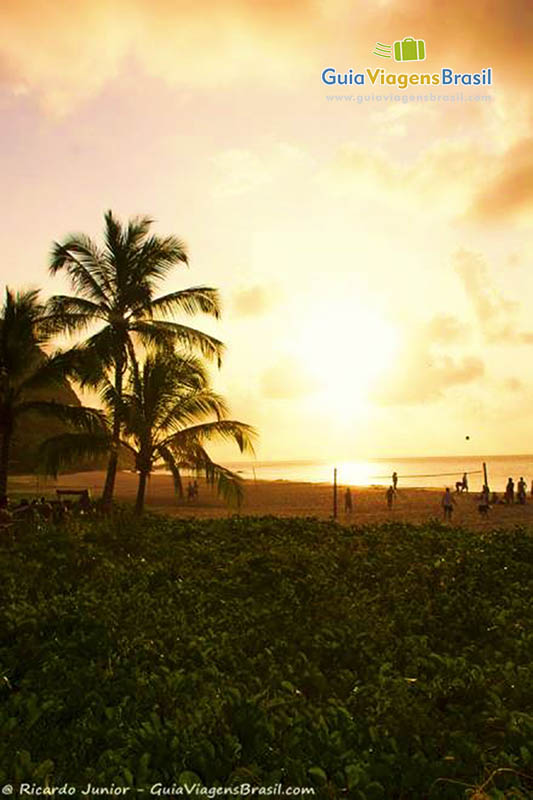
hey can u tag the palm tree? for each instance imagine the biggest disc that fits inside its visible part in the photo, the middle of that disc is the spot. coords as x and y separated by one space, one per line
166 396
114 288
25 370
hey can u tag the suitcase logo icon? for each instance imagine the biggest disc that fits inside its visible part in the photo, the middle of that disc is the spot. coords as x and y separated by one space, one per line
410 49
407 49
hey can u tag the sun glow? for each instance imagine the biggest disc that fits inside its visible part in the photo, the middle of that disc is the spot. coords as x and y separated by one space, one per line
344 352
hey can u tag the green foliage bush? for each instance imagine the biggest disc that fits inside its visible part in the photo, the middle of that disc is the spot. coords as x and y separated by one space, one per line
381 662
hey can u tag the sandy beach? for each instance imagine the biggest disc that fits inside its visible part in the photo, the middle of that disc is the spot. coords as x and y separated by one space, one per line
285 498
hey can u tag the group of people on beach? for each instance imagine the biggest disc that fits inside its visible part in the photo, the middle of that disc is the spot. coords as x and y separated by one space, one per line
24 510
488 498
521 492
448 502
54 511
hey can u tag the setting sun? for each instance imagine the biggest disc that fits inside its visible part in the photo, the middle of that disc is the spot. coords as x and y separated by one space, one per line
344 351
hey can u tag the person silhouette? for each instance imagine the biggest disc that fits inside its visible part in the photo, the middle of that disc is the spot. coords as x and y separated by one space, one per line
509 492
447 503
394 480
5 515
348 505
521 487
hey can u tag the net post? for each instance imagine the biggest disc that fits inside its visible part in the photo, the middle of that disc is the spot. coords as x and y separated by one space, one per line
335 493
486 480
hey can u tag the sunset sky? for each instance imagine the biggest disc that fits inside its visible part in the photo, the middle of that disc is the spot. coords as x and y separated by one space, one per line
374 258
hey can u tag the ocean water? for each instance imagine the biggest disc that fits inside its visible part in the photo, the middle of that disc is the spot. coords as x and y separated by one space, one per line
434 472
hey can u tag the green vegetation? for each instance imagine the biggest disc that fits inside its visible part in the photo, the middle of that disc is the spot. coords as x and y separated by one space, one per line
385 662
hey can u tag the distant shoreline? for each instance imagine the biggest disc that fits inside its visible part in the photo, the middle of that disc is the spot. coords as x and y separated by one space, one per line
379 459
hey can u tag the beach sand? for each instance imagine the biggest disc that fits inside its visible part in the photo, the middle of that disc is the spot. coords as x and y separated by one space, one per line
286 499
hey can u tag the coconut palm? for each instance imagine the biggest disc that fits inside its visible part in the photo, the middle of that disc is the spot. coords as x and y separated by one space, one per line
25 370
114 288
167 417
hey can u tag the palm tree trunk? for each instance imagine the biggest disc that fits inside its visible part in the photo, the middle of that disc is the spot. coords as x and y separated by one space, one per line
141 489
4 459
109 486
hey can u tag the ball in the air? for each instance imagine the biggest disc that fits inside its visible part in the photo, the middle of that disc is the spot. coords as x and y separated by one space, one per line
467 437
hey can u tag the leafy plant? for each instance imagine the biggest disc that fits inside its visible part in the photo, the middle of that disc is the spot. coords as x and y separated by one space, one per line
382 662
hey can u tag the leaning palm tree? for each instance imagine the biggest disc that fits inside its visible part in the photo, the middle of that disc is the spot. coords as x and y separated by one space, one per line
167 417
114 289
25 371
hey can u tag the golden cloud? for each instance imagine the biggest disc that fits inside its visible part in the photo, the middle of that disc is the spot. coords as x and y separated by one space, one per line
423 372
510 190
470 36
496 314
445 175
253 301
68 50
445 328
498 317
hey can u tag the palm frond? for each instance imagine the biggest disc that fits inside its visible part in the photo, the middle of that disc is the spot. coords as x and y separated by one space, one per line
48 372
137 230
161 334
18 360
228 484
185 440
69 449
158 255
21 326
85 266
196 299
95 357
180 371
73 314
168 457
191 407
91 420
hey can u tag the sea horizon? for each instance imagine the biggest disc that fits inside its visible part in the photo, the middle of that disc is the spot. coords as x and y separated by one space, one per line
412 471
